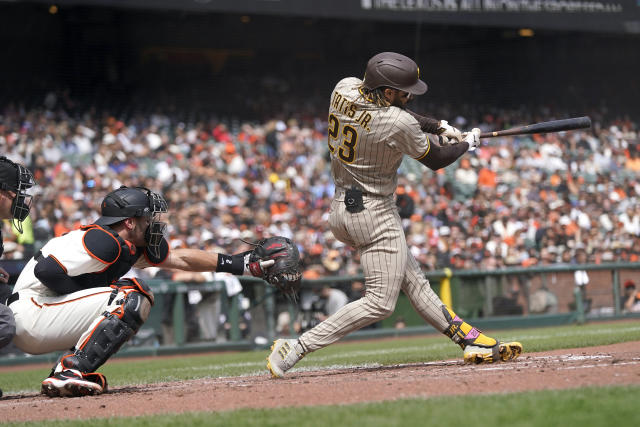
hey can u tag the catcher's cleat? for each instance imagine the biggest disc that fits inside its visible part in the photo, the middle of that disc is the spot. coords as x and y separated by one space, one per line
478 347
501 352
285 353
73 383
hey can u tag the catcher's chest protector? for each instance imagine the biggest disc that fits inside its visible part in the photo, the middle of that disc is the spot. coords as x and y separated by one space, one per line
128 255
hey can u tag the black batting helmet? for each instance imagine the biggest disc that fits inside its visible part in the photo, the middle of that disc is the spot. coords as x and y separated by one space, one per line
128 202
18 179
390 69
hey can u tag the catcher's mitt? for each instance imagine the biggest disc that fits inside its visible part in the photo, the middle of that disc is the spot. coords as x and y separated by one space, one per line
285 272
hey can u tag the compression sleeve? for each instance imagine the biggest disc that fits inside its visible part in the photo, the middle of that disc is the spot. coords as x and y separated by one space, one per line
440 156
427 124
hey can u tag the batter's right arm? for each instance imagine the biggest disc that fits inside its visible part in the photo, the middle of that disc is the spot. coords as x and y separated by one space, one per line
427 124
442 128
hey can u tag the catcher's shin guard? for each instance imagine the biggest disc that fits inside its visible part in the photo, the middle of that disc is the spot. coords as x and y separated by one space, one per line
478 347
108 334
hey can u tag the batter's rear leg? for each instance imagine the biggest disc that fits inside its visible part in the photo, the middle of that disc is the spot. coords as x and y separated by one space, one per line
74 373
477 347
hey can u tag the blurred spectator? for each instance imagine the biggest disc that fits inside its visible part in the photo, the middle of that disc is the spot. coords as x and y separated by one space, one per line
190 331
334 300
207 304
283 325
244 319
466 180
630 300
529 198
581 278
543 301
399 323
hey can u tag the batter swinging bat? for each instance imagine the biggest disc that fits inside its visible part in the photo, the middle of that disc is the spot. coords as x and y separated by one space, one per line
543 127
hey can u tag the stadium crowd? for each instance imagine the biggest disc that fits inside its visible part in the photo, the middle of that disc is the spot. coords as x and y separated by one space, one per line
514 201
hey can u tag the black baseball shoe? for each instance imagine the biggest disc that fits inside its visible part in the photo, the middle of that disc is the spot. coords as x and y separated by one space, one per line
73 383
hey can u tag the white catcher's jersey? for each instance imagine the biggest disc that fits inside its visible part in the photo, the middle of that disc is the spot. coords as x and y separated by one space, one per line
91 256
367 142
70 253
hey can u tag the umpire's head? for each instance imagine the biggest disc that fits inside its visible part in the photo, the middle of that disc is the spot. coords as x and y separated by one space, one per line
15 181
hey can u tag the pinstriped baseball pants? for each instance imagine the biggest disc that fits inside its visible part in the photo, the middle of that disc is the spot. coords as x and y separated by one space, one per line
388 266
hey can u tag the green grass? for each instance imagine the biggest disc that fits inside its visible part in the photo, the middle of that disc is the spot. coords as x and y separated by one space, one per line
606 406
122 372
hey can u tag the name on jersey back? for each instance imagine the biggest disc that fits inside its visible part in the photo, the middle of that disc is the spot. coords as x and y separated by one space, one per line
350 109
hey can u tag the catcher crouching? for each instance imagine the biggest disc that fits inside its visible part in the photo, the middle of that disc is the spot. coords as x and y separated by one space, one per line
71 296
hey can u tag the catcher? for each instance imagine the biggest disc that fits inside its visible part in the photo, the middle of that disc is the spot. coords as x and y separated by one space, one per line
70 297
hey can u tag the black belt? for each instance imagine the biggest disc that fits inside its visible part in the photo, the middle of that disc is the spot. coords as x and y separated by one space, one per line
13 298
364 193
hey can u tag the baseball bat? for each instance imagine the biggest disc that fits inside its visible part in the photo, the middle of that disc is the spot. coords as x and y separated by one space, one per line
543 127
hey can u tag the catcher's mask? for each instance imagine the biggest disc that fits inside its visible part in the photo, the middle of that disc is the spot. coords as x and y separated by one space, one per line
390 69
126 202
17 179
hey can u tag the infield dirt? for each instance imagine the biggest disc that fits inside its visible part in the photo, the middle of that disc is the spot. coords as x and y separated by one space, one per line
617 364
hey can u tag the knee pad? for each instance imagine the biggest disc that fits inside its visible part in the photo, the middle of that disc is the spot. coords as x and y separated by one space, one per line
134 310
108 335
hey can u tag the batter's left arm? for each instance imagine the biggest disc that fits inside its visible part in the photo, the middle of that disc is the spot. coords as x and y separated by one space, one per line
440 156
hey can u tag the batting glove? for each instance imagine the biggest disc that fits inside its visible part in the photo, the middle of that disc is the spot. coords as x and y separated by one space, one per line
449 134
473 138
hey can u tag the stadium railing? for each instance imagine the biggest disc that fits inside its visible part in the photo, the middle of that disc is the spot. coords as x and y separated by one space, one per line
474 294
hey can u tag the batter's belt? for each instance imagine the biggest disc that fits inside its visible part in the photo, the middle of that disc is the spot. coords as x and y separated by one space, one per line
340 193
353 198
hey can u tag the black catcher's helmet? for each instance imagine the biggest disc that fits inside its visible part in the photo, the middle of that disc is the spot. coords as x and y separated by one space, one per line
128 202
390 69
18 179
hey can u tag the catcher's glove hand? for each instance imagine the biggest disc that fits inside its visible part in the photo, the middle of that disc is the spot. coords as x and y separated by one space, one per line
277 261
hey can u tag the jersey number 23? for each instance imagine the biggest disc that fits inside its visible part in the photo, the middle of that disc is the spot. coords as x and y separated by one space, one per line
343 138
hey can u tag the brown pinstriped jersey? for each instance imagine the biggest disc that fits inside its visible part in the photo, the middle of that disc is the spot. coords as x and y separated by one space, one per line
367 142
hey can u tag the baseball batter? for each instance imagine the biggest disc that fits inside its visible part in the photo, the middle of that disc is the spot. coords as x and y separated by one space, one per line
369 132
15 204
70 296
